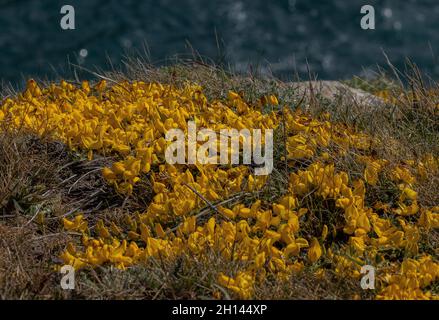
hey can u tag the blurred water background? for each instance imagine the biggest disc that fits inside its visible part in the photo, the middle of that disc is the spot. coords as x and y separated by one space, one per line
278 36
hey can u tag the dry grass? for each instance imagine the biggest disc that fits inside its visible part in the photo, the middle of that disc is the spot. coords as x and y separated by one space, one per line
41 181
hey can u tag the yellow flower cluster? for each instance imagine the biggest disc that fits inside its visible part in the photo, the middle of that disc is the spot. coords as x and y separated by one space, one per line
281 238
413 276
241 285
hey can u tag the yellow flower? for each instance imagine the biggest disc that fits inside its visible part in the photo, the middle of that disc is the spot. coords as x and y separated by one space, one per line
242 285
273 100
408 193
233 96
406 210
324 232
227 212
159 231
260 260
428 219
100 86
294 247
108 174
314 251
71 260
358 244
78 224
371 174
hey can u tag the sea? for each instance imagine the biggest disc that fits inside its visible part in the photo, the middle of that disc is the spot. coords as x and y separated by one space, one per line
284 38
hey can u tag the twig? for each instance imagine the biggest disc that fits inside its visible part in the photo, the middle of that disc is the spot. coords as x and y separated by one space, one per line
226 294
205 200
66 180
205 211
33 217
83 176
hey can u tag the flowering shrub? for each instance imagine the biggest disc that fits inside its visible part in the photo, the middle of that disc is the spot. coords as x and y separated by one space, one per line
324 220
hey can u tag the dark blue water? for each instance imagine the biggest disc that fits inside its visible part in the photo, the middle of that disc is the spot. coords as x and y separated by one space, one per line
282 34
